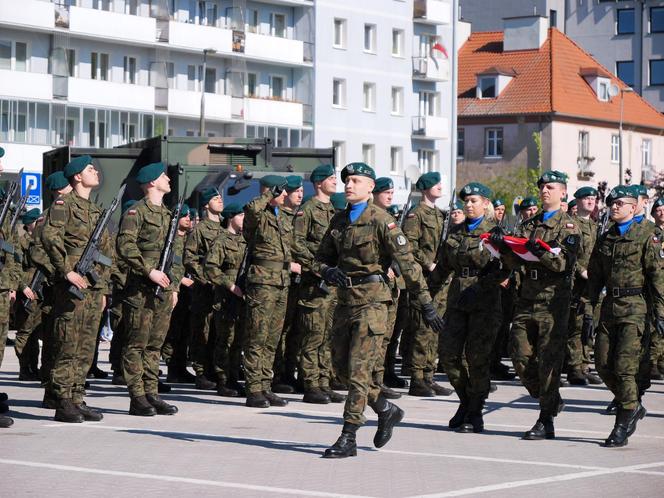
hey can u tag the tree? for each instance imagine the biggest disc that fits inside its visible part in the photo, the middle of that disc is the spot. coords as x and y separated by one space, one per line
519 182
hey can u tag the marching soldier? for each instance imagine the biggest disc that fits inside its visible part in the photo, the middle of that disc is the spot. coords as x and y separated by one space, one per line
355 254
656 351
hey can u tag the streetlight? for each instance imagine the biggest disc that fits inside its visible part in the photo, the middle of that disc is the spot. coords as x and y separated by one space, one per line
201 128
623 91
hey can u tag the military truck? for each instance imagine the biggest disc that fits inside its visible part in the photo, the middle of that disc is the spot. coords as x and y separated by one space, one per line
194 162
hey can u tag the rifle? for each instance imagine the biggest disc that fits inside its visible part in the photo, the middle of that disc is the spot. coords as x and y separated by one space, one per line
168 253
402 220
5 246
603 222
36 285
91 254
235 302
19 208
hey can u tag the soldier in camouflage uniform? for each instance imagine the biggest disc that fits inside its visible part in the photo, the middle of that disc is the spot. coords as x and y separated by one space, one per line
196 248
656 351
69 225
358 248
316 301
424 227
628 260
473 308
268 233
539 327
139 244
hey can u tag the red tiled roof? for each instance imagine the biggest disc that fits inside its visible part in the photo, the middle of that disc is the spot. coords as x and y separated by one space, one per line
548 80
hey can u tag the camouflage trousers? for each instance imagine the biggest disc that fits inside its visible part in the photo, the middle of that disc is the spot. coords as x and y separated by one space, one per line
119 335
316 314
146 320
537 345
176 346
28 328
424 352
229 335
656 352
357 338
264 317
75 338
466 350
4 321
287 356
618 350
48 336
379 367
202 345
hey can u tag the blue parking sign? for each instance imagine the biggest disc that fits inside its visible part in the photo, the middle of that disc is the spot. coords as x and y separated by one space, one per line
34 181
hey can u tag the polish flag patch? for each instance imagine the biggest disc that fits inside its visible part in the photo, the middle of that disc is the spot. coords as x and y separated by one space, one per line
569 225
518 247
391 226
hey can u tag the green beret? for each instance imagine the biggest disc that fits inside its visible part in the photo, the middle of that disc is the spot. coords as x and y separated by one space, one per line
552 177
30 216
193 213
458 205
150 173
427 180
658 203
622 192
527 203
127 204
571 204
475 188
56 181
270 181
208 194
184 212
338 200
321 172
294 183
2 152
382 184
357 169
585 192
231 210
76 165
497 203
642 190
393 210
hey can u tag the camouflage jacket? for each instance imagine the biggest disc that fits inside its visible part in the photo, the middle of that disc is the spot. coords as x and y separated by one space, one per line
423 227
310 226
367 247
631 261
67 228
26 267
269 237
38 255
225 259
197 247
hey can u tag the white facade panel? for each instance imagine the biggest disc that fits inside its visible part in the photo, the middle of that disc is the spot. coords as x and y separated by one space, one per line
185 103
274 48
273 112
28 13
110 94
200 37
25 85
112 25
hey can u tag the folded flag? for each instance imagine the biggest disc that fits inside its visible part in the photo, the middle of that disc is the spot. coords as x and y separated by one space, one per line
518 247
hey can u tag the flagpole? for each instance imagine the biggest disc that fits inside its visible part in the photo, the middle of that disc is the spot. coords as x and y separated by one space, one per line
453 98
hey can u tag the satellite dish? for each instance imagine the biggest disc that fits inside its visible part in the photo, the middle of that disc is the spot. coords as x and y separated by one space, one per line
614 90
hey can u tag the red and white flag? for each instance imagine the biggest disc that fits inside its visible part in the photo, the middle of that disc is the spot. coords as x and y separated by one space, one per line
518 247
439 46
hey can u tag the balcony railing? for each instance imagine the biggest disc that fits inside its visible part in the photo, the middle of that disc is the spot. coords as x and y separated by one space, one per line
432 11
585 167
430 127
32 13
112 24
26 85
110 94
273 112
431 68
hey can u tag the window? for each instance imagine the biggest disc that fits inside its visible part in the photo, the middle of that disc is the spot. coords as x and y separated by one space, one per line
251 85
339 33
5 54
397 42
368 153
426 160
493 142
395 160
339 154
252 21
278 25
191 78
584 144
131 7
429 104
369 97
170 74
21 56
657 19
370 38
603 91
71 62
103 67
207 13
657 72
103 5
210 80
129 70
461 142
99 66
487 88
646 153
339 92
625 71
553 18
625 21
276 87
615 148
397 100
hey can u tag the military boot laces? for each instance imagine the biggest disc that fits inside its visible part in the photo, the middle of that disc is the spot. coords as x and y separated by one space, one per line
389 415
543 429
273 399
316 396
346 445
473 421
6 422
460 415
89 414
141 407
620 432
160 405
67 412
334 396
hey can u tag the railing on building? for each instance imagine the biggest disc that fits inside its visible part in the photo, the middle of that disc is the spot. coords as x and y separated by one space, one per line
585 167
419 125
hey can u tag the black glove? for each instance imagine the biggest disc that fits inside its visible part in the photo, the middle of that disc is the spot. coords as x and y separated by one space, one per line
497 238
278 189
433 319
468 297
335 276
587 329
660 326
534 247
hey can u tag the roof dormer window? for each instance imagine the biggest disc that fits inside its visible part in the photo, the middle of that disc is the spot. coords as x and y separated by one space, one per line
492 82
487 87
599 80
603 90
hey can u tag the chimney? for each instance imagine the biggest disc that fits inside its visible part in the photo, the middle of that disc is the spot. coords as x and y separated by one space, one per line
525 32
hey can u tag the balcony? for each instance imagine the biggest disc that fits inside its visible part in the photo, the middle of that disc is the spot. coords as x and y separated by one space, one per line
274 48
431 69
188 103
108 94
432 11
430 127
32 13
276 112
111 25
24 85
199 37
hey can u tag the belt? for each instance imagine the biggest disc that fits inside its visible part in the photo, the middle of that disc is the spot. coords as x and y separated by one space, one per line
624 291
274 265
541 274
467 272
353 281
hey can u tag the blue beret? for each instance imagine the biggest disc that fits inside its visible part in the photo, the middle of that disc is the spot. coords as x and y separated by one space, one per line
2 152
382 184
232 209
294 183
56 181
127 204
428 180
150 173
527 203
208 194
76 165
475 188
658 203
497 203
642 190
357 169
321 172
31 216
585 192
552 177
338 200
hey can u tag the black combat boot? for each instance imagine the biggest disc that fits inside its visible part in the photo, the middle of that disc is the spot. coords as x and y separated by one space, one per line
234 384
593 379
67 412
163 388
388 393
141 407
89 414
205 384
334 396
50 402
27 375
460 415
180 376
224 390
316 396
619 434
273 399
6 422
337 385
500 371
635 415
118 379
473 421
577 378
420 388
390 378
437 388
655 374
257 400
281 387
611 408
160 405
97 373
543 428
389 415
345 446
